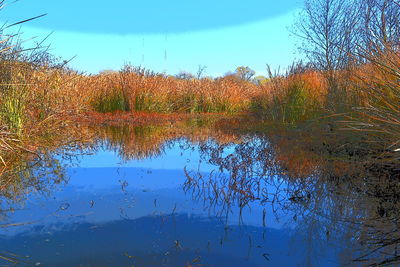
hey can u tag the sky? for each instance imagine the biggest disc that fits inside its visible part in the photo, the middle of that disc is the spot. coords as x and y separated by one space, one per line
164 36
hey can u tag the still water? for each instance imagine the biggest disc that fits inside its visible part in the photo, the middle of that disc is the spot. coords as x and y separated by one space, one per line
130 199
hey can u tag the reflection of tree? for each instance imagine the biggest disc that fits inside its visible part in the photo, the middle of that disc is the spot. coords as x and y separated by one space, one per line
40 174
353 205
231 185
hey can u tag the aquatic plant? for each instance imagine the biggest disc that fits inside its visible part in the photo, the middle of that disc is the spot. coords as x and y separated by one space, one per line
148 91
114 101
379 88
297 96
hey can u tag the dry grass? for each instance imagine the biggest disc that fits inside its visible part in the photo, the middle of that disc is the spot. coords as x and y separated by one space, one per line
36 95
377 88
298 95
135 91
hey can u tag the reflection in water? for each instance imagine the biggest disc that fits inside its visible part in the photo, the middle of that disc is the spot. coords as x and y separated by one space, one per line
206 244
356 204
221 197
38 174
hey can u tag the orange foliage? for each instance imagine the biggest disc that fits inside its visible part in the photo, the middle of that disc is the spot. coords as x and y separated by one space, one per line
161 93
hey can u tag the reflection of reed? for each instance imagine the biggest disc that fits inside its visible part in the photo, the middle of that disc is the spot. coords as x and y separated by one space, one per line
362 208
31 174
133 142
41 170
14 259
139 142
354 203
23 173
327 196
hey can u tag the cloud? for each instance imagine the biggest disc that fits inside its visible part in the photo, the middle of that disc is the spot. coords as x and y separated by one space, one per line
144 16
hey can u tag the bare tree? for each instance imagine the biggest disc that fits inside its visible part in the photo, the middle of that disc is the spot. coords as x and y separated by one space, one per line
334 32
380 23
326 29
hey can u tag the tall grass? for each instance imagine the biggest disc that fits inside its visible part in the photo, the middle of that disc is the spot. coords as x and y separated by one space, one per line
13 94
378 84
136 90
13 107
29 92
299 95
110 102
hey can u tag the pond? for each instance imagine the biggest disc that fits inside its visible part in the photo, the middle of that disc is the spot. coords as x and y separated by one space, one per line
156 196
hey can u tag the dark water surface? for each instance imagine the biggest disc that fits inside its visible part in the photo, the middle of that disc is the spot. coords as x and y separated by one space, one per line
131 199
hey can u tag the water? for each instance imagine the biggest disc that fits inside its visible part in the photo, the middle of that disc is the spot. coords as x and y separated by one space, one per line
137 200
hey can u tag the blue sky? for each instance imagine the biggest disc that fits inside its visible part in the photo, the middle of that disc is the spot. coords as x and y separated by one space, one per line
165 36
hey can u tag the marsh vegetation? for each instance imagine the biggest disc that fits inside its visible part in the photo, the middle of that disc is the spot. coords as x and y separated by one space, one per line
316 145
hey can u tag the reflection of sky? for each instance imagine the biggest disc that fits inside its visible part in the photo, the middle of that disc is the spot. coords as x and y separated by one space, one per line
128 193
158 241
164 35
174 158
145 217
134 186
140 207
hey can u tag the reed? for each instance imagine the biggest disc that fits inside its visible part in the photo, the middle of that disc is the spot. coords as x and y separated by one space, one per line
167 94
32 93
297 96
378 87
